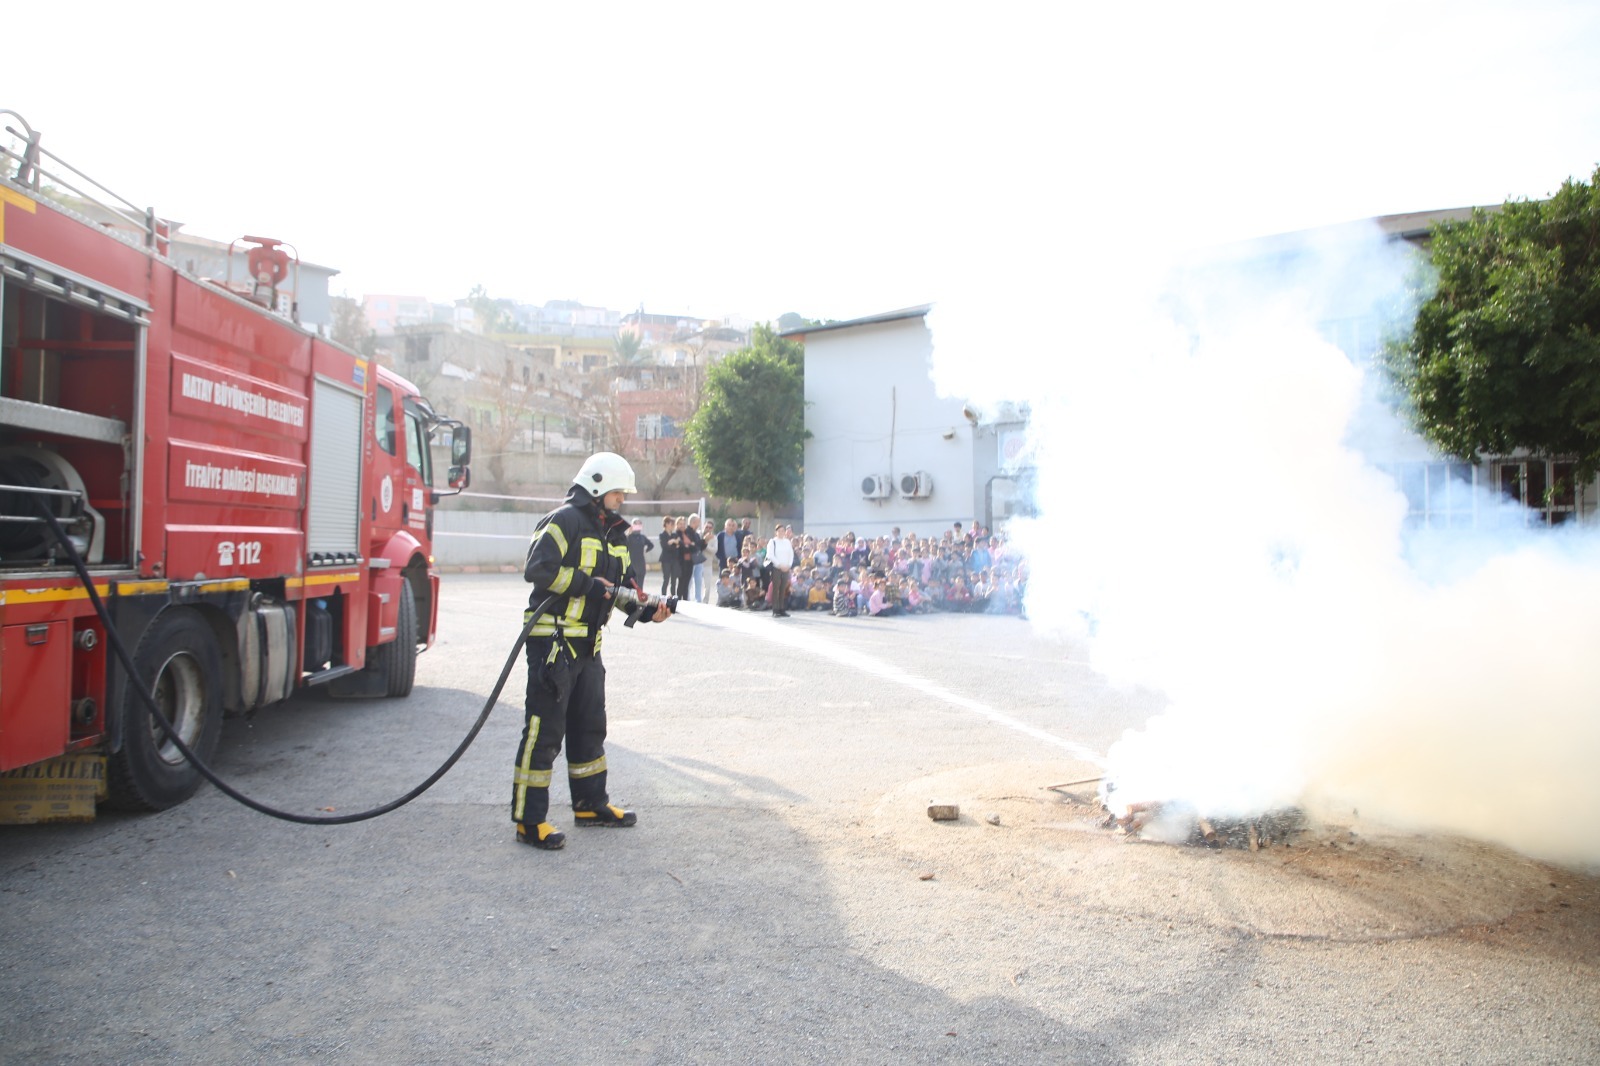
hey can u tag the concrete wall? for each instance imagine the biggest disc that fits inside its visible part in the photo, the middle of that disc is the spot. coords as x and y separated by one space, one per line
475 529
871 409
482 538
539 473
499 539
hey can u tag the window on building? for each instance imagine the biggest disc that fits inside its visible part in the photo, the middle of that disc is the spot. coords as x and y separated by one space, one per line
1565 502
1439 495
1357 338
1451 495
656 427
1547 488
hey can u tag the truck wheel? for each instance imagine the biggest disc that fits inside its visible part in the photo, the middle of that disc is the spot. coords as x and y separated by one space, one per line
178 657
396 661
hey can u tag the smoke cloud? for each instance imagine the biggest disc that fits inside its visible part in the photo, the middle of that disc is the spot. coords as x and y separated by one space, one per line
1216 518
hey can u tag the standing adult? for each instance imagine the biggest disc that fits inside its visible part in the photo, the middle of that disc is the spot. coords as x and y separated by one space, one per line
639 549
685 550
780 555
578 556
744 533
727 544
671 555
697 559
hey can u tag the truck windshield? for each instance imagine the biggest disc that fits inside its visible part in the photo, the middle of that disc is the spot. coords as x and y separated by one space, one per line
417 453
384 423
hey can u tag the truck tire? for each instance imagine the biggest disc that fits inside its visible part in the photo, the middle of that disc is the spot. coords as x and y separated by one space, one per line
396 661
178 657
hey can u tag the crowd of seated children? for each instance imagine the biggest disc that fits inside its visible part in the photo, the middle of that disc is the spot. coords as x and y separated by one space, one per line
884 576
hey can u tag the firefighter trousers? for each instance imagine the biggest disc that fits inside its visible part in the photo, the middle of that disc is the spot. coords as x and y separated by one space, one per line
566 701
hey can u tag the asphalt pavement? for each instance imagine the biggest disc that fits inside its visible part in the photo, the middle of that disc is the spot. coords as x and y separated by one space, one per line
784 897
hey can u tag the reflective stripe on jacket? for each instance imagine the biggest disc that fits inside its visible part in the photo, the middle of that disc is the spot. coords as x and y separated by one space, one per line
573 545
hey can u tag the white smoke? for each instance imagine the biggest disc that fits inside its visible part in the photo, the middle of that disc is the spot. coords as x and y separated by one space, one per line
1211 519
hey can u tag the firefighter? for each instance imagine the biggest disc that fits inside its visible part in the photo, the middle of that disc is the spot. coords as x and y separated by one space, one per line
579 553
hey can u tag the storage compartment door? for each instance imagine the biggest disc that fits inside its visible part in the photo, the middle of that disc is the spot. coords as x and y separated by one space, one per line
333 519
35 692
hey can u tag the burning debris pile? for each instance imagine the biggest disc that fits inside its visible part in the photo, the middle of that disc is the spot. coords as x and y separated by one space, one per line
1176 822
1179 823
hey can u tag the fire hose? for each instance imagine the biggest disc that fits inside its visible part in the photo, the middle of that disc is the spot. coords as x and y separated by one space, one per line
625 597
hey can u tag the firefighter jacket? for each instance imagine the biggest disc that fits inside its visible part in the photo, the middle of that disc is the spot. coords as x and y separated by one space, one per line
572 546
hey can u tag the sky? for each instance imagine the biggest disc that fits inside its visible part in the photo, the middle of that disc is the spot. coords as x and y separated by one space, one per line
836 160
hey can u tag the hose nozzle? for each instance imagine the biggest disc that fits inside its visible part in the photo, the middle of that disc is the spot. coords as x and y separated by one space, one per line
635 603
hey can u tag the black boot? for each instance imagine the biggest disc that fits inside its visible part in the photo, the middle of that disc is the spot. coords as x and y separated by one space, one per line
602 814
544 835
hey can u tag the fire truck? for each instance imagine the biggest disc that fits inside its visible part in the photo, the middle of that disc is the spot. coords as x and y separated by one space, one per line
253 503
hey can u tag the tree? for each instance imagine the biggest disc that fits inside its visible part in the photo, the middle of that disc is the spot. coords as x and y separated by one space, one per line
350 326
765 340
691 385
630 349
493 316
1505 353
749 434
790 320
510 422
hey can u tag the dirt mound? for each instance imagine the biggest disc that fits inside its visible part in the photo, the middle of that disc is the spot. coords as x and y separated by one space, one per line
1338 879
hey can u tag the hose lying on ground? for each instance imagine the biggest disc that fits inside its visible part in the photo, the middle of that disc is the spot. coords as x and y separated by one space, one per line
205 771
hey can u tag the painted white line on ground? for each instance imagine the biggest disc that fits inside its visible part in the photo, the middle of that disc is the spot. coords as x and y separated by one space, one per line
814 644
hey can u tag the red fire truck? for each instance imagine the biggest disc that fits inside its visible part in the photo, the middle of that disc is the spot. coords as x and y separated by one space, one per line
254 503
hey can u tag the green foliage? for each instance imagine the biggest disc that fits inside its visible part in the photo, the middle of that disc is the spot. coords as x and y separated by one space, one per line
765 340
748 435
494 316
790 320
630 349
349 326
1505 353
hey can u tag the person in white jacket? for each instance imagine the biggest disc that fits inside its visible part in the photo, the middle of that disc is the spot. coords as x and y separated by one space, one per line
780 554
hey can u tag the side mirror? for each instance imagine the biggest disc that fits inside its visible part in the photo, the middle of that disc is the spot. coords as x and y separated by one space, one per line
459 475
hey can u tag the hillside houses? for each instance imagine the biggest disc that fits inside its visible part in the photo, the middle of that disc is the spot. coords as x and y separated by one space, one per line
559 389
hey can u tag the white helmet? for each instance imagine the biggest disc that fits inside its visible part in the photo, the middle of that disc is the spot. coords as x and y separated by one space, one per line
605 472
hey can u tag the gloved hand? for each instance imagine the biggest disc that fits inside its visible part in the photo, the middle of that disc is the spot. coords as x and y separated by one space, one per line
599 592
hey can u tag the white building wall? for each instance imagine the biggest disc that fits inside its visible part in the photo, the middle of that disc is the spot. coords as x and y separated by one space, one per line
871 409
